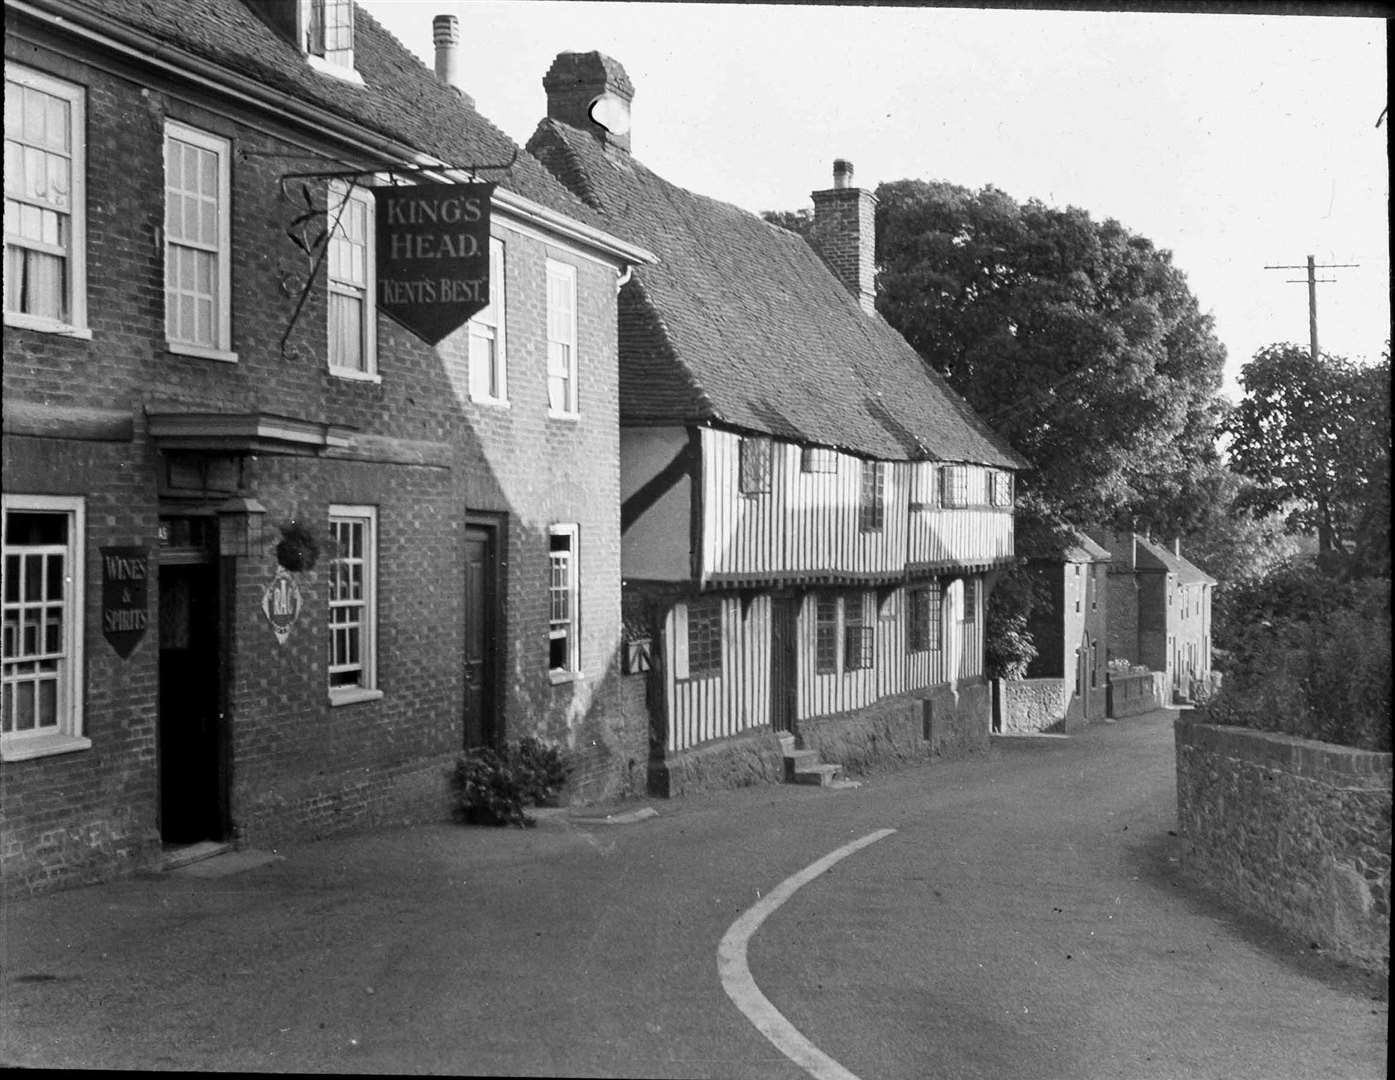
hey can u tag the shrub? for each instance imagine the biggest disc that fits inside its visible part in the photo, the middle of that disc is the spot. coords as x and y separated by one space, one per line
492 788
542 770
1309 656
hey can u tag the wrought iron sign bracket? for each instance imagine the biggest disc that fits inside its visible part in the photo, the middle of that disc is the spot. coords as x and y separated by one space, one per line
315 248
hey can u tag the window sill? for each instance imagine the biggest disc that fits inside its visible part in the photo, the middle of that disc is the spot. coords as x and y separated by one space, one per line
490 402
559 677
352 695
350 375
37 323
339 71
202 352
573 416
42 746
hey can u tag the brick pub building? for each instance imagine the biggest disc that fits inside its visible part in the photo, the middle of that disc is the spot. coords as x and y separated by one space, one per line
270 560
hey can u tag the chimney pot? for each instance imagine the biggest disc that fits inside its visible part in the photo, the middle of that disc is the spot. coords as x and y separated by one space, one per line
842 173
445 35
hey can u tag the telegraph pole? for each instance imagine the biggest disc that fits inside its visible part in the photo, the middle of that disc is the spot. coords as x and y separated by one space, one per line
1313 279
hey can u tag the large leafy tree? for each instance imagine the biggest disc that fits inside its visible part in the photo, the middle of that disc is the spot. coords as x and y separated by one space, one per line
1313 433
1076 339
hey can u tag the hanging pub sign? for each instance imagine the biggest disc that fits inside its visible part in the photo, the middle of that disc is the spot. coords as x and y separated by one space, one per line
281 604
433 255
125 615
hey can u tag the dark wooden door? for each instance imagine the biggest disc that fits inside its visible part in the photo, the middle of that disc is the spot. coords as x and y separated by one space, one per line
783 649
190 737
481 635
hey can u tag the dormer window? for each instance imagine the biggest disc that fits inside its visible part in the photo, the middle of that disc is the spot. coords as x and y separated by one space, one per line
330 31
328 35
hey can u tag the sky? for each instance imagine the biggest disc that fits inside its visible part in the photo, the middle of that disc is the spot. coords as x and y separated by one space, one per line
1234 141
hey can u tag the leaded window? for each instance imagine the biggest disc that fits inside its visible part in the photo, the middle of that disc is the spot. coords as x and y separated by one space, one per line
705 638
872 500
826 634
859 636
755 465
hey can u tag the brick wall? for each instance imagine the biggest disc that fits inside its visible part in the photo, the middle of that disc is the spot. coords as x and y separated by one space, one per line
1294 830
81 816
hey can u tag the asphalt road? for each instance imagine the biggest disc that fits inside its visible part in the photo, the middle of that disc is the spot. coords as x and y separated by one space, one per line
1026 919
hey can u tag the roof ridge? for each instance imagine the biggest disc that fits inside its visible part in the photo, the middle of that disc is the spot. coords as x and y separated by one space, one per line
756 328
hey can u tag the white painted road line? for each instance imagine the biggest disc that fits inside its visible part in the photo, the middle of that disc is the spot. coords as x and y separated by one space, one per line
742 988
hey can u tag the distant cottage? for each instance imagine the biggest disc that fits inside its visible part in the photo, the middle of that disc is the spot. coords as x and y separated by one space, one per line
1066 684
811 517
1159 611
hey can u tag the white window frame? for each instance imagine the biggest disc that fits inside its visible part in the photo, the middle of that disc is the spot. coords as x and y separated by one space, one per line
366 688
341 202
561 334
570 627
336 62
76 253
68 735
488 328
221 349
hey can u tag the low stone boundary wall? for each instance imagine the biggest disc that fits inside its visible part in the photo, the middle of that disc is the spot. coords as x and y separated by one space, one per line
1295 830
1036 705
754 757
1131 695
904 729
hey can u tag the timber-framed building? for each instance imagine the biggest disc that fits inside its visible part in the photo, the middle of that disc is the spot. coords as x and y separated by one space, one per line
811 517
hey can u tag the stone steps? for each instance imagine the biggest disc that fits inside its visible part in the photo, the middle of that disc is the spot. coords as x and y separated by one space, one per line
806 767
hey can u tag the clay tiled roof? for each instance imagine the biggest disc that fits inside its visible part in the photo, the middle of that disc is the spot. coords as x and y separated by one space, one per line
400 99
741 323
1188 573
1078 548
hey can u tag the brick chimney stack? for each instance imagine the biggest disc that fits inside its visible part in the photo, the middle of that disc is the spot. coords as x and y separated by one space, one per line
845 234
590 91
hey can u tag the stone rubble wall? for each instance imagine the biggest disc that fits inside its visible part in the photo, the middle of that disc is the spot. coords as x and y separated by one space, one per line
1294 830
1035 705
905 729
1133 695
